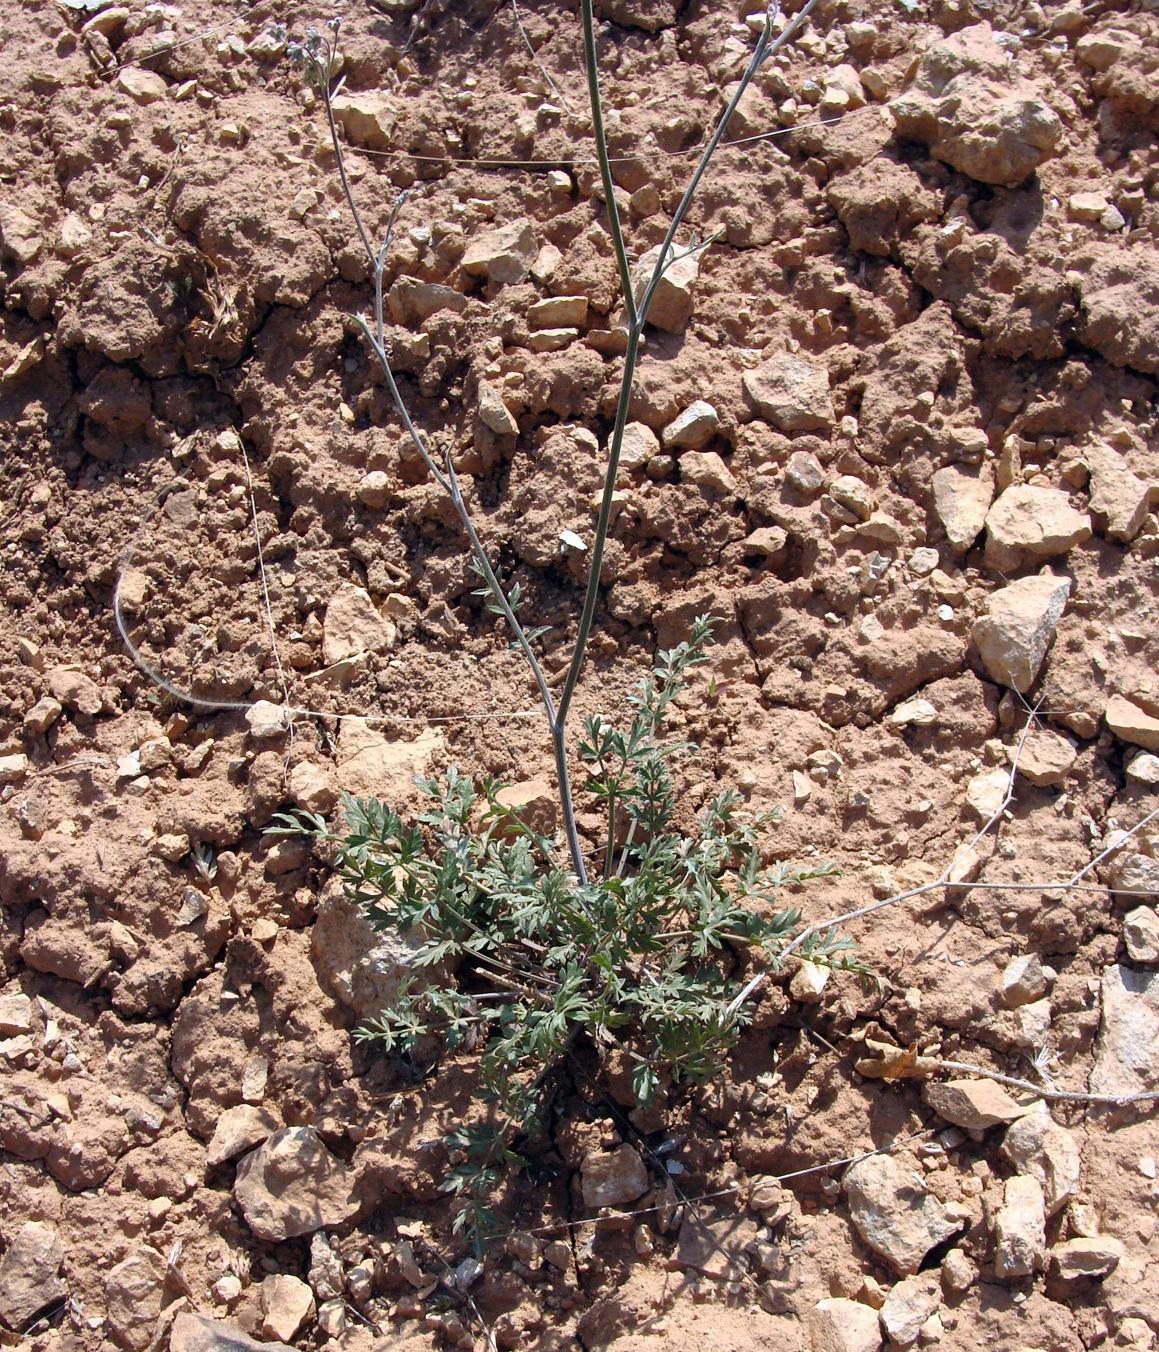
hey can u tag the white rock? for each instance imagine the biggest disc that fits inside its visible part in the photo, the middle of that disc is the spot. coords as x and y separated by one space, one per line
791 392
238 1130
1038 1147
292 1185
1086 1259
852 494
494 413
985 792
692 427
808 982
1047 757
805 472
923 561
917 713
1133 724
374 489
1023 980
612 1177
1127 1050
1140 931
1018 627
266 720
15 1015
1028 523
894 1212
907 1307
707 469
639 445
504 255
962 497
1144 769
1020 1229
841 1325
559 312
974 1105
352 625
29 1274
671 305
143 86
367 117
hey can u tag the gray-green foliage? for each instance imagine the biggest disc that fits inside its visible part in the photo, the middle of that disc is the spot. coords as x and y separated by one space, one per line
520 959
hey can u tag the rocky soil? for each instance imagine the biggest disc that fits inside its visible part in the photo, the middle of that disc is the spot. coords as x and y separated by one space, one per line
897 425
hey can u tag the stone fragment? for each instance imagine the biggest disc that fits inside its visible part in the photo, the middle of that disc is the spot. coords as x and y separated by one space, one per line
1027 523
332 1319
808 982
915 713
791 392
1101 49
1127 1050
1140 932
75 691
142 86
559 312
1018 627
958 1273
13 768
975 112
1144 769
292 1185
1023 980
1020 1229
239 1129
360 966
311 787
894 1212
1119 500
352 625
367 117
907 1307
1133 724
196 1333
1086 1259
374 767
534 802
30 1281
74 235
802 792
767 541
20 237
841 1325
1038 1147
266 720
1047 757
134 1295
962 498
43 715
551 340
852 494
373 489
1133 873
612 1177
639 445
692 427
985 792
805 472
973 1105
504 255
15 1015
707 469
494 413
716 1246
671 305
325 1275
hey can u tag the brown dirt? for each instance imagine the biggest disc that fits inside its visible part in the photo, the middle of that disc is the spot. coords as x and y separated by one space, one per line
176 276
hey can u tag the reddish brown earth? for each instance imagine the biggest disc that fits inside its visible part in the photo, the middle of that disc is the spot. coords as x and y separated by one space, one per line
972 275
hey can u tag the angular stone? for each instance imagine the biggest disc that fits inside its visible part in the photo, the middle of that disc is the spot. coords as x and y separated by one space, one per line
196 1333
374 767
20 237
808 982
366 117
612 1177
558 312
855 496
352 625
1023 980
75 690
894 1212
1047 758
239 1129
504 255
360 966
916 713
1127 720
907 1307
134 1294
534 802
1119 500
791 392
287 1302
1140 933
805 472
1038 1147
1144 769
373 489
1020 1229
15 1015
707 469
30 1282
143 86
1127 1050
1018 627
767 541
1100 50
962 498
639 445
692 427
311 787
972 1104
671 305
986 792
292 1185
1028 523
266 720
1086 1259
494 413
841 1325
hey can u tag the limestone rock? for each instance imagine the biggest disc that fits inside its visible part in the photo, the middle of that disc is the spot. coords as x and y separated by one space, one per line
534 802
692 427
142 86
134 1294
1047 757
558 312
239 1129
292 1185
1100 50
504 255
74 690
1038 1147
969 105
1017 629
1127 720
373 767
916 713
894 1213
1028 523
707 469
1141 933
639 445
1127 1050
1086 1259
972 1104
1119 499
962 498
850 492
287 1302
352 625
360 966
196 1333
266 720
671 306
1144 769
985 792
311 787
958 1272
805 472
1119 291
15 1015
366 117
612 1177
841 1325
494 413
808 983
30 1280
1023 980
1020 1229
20 237
907 1307
791 392
767 541
373 489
